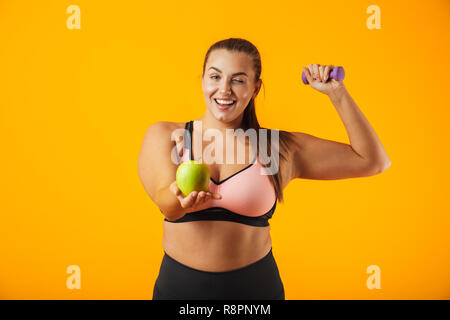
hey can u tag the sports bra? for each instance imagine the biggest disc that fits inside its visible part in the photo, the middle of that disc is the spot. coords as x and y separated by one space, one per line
248 196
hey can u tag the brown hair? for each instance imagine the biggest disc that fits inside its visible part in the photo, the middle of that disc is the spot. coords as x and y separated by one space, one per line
249 119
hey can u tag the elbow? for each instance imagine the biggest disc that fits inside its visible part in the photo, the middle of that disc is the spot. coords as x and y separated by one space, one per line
382 166
172 215
167 214
169 205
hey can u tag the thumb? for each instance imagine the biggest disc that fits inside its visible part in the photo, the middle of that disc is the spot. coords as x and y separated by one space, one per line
174 188
336 83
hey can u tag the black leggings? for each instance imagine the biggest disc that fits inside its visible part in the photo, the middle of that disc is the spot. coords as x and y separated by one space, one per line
259 280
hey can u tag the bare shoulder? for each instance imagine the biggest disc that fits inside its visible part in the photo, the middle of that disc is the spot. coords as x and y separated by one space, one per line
162 127
162 130
158 137
156 168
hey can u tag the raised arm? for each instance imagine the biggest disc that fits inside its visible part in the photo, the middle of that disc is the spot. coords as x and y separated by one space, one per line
322 159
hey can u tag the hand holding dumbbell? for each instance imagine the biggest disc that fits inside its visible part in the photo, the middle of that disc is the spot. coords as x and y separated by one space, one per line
325 79
337 74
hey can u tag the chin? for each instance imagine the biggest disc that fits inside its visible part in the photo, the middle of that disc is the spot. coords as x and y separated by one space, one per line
221 117
224 116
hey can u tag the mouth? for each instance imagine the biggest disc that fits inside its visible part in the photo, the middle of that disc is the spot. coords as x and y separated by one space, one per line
224 104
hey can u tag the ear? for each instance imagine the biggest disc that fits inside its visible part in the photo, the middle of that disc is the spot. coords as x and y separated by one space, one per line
257 88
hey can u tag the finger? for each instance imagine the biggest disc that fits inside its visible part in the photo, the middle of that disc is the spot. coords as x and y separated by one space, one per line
315 71
326 71
205 197
200 198
189 200
321 73
174 188
181 198
307 74
311 72
217 196
197 200
208 196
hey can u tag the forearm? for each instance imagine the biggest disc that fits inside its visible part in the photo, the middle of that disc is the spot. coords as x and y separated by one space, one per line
363 138
169 204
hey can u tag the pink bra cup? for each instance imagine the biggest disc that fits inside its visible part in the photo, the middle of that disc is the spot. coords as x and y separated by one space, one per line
248 196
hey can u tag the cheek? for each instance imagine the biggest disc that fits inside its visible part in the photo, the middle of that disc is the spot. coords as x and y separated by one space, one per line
209 88
245 95
242 92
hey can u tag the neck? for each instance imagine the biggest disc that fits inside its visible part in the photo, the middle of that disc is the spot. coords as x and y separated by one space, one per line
209 121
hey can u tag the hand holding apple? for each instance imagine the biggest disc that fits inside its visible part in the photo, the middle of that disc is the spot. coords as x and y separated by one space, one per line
192 184
194 198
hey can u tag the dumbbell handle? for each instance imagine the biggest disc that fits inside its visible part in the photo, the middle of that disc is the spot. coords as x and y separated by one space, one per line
337 74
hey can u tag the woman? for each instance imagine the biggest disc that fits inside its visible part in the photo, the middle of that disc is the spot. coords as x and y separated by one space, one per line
217 244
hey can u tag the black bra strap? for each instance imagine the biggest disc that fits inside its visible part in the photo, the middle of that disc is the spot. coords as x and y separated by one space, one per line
187 138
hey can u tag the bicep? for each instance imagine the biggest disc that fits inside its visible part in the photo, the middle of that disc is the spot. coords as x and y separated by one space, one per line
322 159
155 166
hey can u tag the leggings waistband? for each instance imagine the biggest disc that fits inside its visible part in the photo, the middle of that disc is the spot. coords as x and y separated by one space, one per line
258 280
264 259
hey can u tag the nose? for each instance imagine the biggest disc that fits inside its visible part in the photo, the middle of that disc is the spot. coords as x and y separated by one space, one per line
225 87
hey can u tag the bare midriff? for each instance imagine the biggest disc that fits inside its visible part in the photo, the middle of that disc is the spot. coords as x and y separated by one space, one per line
215 246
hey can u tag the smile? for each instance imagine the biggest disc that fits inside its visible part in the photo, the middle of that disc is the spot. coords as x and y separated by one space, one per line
224 104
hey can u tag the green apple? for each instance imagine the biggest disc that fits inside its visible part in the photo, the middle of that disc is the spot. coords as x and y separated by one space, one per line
191 176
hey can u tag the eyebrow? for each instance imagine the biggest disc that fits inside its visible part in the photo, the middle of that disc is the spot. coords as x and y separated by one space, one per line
234 74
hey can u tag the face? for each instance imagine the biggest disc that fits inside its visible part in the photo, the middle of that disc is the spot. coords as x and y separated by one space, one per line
229 77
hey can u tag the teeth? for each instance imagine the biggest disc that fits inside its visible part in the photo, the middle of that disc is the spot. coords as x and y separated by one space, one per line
224 102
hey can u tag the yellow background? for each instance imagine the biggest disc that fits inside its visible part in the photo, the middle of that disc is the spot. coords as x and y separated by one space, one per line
75 105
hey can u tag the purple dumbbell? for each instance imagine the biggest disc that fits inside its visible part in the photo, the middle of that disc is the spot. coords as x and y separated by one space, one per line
337 74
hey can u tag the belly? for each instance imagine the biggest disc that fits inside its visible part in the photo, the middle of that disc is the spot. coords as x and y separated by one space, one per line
215 245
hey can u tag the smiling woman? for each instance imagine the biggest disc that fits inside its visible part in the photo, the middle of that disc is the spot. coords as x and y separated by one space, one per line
241 88
217 244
